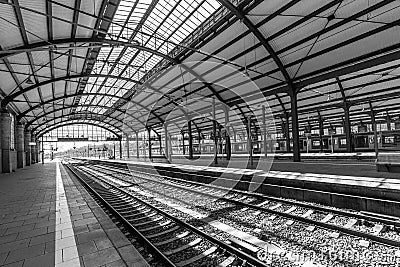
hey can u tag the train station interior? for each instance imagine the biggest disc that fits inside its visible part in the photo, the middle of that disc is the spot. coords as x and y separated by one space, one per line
199 133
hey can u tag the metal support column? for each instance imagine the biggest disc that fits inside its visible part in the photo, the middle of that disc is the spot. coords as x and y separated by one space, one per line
228 148
200 140
295 127
190 136
249 141
389 127
347 128
114 151
43 151
6 162
120 147
321 132
160 143
374 128
166 146
287 132
183 144
137 145
214 132
347 123
149 131
127 146
264 125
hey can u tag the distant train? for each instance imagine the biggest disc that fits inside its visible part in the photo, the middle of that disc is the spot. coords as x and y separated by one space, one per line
362 142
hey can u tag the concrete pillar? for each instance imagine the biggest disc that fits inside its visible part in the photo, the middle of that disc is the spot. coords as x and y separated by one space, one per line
33 149
20 145
5 122
27 147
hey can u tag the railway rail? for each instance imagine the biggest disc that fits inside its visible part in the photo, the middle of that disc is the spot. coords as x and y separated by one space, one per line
172 241
374 227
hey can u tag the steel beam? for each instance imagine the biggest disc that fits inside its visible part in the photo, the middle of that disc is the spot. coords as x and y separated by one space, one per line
29 123
11 97
79 42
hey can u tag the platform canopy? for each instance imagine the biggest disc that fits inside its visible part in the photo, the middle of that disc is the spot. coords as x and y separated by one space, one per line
134 65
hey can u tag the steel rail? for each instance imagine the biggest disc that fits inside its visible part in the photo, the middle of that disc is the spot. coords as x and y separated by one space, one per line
236 252
133 229
329 226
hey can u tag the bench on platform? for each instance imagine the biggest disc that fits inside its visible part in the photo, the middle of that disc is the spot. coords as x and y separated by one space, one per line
388 162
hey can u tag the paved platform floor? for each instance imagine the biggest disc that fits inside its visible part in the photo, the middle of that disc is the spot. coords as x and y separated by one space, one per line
48 219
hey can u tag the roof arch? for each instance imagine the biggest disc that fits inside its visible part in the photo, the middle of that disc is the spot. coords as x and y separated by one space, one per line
29 123
75 123
21 115
12 96
46 46
84 116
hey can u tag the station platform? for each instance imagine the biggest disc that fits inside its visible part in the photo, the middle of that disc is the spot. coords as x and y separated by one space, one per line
48 219
343 184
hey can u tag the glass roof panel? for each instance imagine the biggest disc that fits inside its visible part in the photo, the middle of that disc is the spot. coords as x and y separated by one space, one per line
156 25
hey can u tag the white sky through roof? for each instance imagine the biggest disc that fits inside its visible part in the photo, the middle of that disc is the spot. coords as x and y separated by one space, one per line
168 23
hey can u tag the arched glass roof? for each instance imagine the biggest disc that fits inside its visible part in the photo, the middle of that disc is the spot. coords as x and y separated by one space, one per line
92 61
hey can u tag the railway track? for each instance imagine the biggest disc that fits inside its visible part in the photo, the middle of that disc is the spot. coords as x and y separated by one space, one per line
381 229
172 241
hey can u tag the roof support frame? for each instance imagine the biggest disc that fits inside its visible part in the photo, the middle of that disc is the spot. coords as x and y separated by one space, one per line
56 126
21 26
29 123
133 35
85 116
260 38
78 43
10 98
21 115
